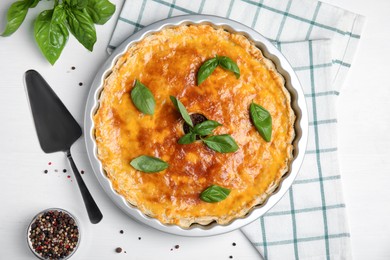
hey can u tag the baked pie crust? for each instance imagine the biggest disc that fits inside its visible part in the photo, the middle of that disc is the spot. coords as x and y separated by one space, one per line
167 63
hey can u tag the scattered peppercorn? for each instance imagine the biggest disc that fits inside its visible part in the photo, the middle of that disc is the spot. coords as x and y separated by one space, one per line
82 172
73 68
121 232
139 238
80 83
177 247
64 170
231 257
234 244
54 235
118 250
45 171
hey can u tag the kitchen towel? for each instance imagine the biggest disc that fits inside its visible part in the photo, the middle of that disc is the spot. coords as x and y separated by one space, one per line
320 41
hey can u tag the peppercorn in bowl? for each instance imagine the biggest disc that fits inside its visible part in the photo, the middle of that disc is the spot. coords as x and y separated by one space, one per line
53 234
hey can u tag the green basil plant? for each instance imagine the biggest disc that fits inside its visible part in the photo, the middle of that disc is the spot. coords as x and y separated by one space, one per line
51 27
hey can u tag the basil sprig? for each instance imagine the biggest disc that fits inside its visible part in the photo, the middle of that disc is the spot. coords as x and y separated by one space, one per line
214 194
143 98
149 164
51 28
221 143
262 120
183 111
209 66
201 129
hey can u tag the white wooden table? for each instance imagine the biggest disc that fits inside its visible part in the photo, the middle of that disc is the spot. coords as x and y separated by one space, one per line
364 141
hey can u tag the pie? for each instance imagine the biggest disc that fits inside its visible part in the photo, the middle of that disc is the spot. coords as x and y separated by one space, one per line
167 63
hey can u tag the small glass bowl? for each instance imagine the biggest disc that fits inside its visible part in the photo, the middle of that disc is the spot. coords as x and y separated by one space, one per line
43 212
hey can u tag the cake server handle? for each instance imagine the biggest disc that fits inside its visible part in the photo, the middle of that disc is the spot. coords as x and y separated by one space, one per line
94 213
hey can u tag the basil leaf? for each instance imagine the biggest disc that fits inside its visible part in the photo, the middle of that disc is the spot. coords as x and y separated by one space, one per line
262 120
187 139
221 143
50 36
146 163
206 69
82 27
100 10
143 98
15 16
59 14
183 111
228 64
206 127
214 193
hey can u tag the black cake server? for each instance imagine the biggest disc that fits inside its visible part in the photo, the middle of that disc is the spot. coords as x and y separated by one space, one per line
57 130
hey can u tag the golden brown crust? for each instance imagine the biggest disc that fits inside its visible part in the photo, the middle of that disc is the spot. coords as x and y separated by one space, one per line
167 62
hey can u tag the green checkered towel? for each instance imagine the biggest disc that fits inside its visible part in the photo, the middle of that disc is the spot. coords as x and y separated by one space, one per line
320 41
